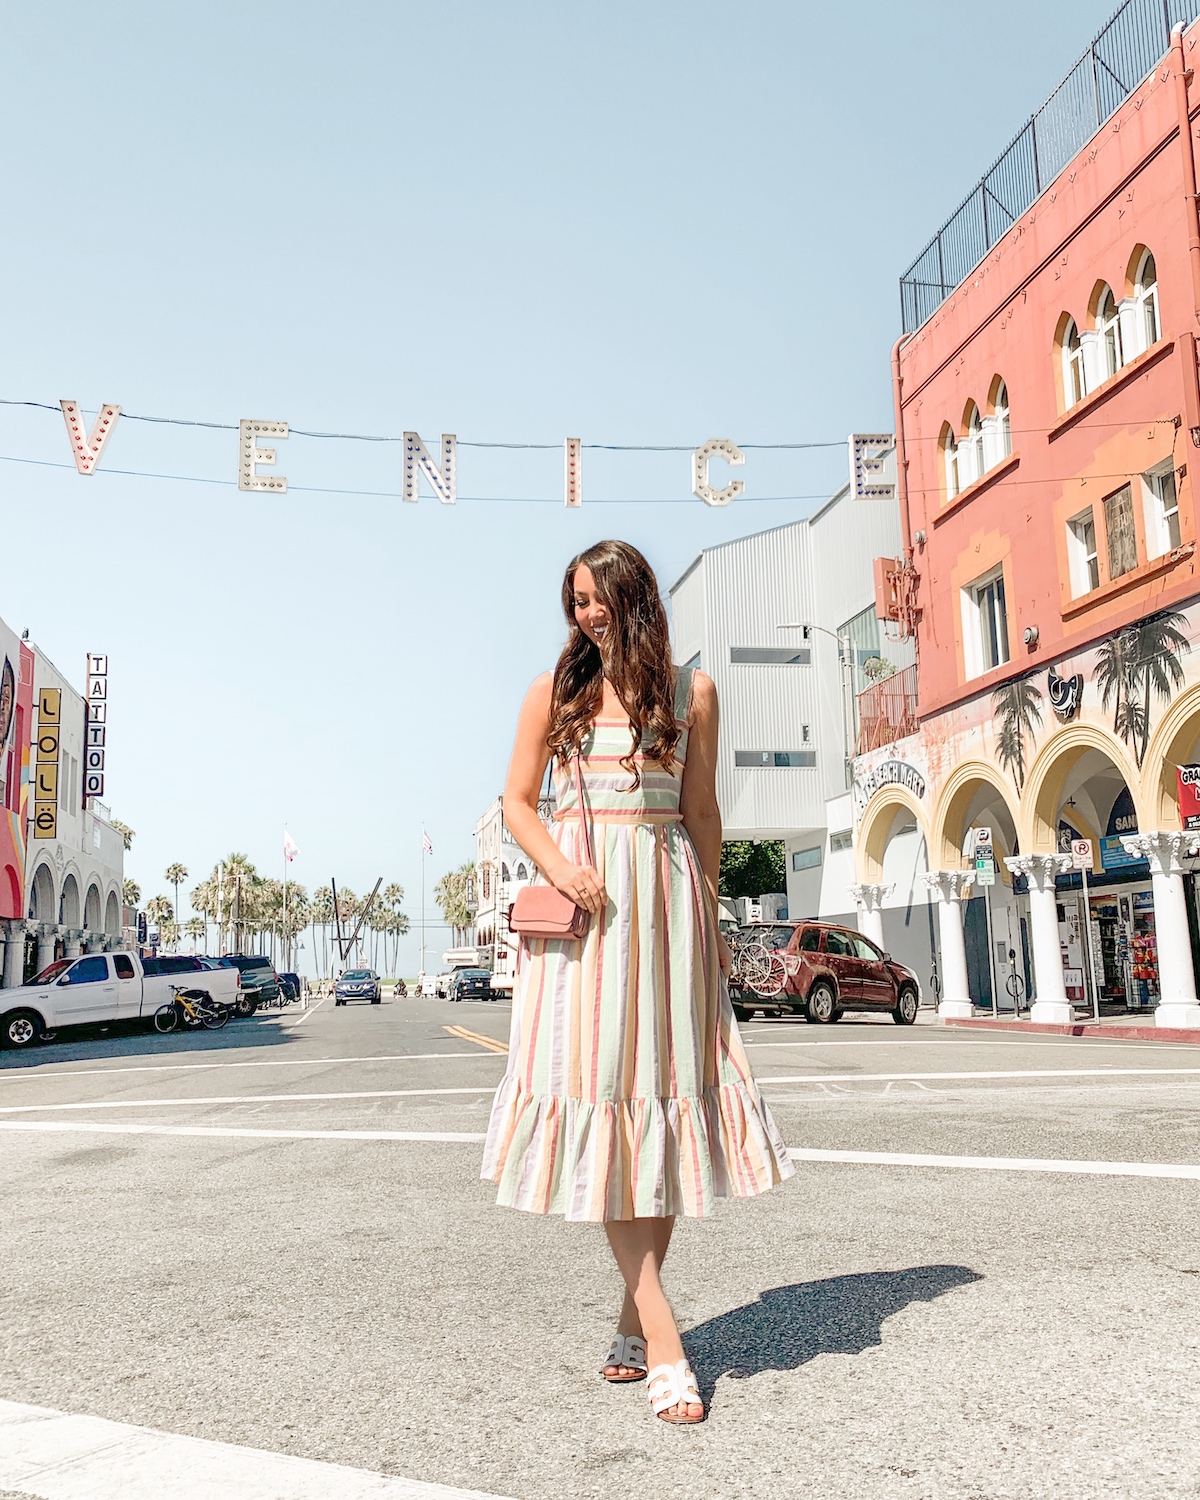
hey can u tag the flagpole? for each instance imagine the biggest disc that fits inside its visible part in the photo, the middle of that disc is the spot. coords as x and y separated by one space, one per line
424 840
283 935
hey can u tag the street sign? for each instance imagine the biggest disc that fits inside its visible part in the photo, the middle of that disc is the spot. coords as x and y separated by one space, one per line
985 872
1081 854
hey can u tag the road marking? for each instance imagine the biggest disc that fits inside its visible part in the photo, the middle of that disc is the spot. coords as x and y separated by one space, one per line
929 1041
490 1042
94 1128
310 1012
255 1062
62 1457
20 1109
765 1081
1001 1163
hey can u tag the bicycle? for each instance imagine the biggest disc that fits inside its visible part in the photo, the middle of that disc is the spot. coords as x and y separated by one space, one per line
193 1008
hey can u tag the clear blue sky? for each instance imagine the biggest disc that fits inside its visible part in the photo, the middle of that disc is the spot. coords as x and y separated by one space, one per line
633 223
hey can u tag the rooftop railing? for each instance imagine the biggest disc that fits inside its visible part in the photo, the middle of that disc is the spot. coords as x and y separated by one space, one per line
1119 57
887 711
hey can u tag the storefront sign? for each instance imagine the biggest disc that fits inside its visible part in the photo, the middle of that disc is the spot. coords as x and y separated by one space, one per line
96 727
45 773
1189 796
894 773
1115 856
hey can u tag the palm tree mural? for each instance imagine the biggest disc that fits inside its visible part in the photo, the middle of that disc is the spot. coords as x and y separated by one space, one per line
1018 710
1139 664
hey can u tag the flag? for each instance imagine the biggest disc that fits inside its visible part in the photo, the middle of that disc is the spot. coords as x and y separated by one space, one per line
426 846
289 848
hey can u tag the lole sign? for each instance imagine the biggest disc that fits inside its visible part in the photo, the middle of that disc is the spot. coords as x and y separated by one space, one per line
1189 796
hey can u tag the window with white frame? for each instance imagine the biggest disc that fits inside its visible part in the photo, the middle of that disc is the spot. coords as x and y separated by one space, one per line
1145 298
1108 328
1003 424
806 859
950 461
840 841
1162 510
970 461
1082 555
985 623
1074 375
1122 535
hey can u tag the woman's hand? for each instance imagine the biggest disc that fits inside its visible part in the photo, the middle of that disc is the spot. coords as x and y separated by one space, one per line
724 953
581 884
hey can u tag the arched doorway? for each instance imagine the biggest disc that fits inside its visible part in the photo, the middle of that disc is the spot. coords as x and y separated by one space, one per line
112 916
91 911
891 861
42 905
68 902
978 809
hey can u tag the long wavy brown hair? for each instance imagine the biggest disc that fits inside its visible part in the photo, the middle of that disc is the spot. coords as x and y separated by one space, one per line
636 659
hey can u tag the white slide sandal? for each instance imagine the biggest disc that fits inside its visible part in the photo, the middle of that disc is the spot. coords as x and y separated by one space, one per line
627 1351
672 1385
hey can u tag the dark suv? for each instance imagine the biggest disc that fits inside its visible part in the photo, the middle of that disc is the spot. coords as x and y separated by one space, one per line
827 971
471 984
259 983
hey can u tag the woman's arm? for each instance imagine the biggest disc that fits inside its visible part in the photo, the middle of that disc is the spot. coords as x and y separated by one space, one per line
698 795
525 772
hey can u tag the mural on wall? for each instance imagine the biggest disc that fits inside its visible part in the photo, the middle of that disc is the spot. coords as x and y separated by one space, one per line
1124 684
1135 664
8 701
1018 709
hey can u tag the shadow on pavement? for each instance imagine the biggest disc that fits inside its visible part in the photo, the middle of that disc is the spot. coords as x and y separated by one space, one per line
789 1325
133 1039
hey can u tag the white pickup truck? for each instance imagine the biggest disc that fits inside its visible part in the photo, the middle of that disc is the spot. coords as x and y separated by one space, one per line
101 987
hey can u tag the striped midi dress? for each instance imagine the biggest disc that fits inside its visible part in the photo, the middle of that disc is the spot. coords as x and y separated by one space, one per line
628 1092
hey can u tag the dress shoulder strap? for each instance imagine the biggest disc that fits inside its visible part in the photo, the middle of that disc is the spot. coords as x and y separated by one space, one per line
683 692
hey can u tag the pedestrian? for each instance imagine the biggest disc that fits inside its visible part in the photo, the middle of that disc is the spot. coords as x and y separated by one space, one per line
628 1098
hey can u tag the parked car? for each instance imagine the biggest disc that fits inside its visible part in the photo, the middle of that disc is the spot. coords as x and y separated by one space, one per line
260 984
832 970
471 984
358 984
106 987
442 984
290 985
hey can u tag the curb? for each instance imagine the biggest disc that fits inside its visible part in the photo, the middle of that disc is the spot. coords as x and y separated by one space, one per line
1087 1028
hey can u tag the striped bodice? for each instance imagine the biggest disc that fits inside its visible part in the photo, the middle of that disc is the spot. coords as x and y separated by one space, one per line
607 785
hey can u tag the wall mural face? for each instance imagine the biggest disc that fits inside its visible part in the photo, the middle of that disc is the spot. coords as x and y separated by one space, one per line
1125 683
8 701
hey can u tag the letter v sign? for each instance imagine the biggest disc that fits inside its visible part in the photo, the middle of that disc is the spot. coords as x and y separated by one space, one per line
88 446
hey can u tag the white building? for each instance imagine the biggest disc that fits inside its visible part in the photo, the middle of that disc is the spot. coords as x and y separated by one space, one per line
501 868
73 881
784 623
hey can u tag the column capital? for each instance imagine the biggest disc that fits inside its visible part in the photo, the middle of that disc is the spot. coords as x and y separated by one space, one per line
1163 848
1040 869
950 885
871 897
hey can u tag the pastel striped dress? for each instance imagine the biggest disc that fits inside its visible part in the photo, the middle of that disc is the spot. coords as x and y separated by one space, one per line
628 1093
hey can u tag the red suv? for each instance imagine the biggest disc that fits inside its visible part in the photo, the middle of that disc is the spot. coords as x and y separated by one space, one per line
831 970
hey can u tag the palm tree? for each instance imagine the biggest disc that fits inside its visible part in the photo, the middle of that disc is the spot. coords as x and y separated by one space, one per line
320 915
196 927
176 874
1116 676
452 893
131 893
162 914
127 833
1018 710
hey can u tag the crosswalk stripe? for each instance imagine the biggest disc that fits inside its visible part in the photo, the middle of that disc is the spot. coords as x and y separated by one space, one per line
1002 1163
93 1127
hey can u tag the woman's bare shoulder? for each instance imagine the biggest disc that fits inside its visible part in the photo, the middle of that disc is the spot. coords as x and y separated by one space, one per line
537 699
704 693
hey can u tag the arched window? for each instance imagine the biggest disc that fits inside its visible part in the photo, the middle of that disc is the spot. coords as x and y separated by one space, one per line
1146 297
522 873
1074 377
970 464
1108 327
950 461
504 875
1003 425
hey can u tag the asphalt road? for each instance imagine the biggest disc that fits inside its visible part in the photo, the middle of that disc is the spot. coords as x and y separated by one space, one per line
349 1293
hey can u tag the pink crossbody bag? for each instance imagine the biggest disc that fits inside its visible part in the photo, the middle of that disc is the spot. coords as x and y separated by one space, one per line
542 911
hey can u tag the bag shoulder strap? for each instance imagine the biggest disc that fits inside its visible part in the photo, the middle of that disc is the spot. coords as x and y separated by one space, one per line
584 821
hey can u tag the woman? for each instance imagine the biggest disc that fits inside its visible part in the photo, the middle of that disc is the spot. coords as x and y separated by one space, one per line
627 1097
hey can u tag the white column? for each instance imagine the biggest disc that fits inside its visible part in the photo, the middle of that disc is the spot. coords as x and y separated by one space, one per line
72 942
869 900
1051 1006
952 887
1177 1005
14 954
45 953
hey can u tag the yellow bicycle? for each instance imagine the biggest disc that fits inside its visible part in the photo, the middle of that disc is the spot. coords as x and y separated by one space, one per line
192 1008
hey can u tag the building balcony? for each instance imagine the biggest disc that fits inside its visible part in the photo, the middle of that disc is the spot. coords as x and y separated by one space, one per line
887 711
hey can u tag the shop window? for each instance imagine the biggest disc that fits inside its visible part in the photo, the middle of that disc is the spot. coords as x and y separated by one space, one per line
1108 329
986 622
1074 375
1122 537
806 859
1162 510
1082 555
1145 298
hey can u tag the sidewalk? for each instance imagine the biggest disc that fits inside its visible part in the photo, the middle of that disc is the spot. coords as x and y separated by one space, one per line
1110 1028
